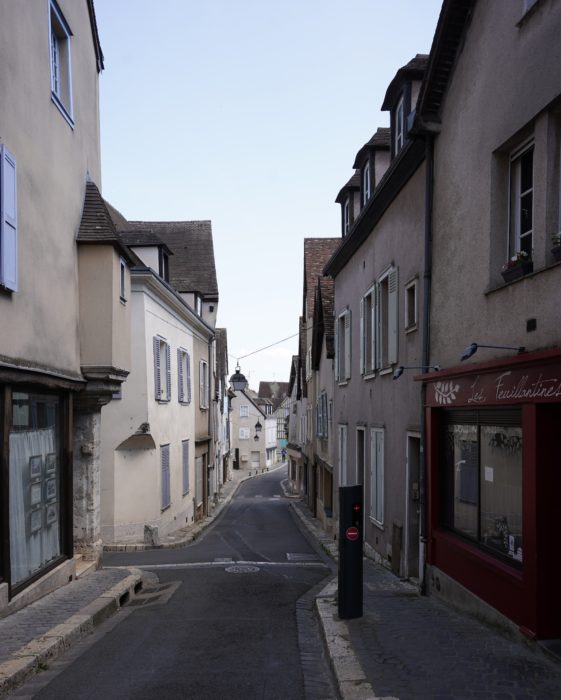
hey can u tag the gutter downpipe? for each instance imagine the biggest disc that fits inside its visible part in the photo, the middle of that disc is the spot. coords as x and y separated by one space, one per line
427 280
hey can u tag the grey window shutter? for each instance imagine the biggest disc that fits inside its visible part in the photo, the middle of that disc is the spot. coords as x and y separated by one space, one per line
8 221
337 349
157 371
376 331
202 384
362 337
166 486
188 378
180 382
348 345
168 371
185 460
392 316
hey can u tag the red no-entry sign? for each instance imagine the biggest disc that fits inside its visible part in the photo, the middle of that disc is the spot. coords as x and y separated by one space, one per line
351 534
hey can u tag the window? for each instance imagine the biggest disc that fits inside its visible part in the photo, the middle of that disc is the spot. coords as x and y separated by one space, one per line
203 384
198 305
244 433
244 411
122 279
343 347
387 318
162 369
8 221
521 200
343 455
368 353
411 306
309 364
165 475
346 216
322 423
163 264
61 81
377 475
185 465
366 183
183 376
483 479
398 126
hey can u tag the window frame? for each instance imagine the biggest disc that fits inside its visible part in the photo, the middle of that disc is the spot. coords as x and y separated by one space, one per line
411 325
343 446
387 332
184 393
399 125
376 477
368 369
60 66
161 345
515 235
185 454
123 280
343 349
366 183
244 433
346 215
204 385
8 221
165 477
244 410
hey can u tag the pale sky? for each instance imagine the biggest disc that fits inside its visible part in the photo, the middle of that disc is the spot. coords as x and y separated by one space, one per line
248 113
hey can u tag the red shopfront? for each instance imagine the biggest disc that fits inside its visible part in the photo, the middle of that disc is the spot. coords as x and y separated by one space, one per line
494 484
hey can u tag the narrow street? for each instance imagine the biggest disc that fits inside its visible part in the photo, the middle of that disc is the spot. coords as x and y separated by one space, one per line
229 616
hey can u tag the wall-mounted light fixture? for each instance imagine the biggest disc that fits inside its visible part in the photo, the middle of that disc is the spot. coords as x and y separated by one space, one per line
258 426
256 438
473 347
237 380
399 370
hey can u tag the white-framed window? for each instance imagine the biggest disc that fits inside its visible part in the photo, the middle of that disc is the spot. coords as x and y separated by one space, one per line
165 476
198 305
343 455
343 347
521 203
322 422
346 216
122 279
162 369
368 335
244 411
163 264
244 434
61 66
377 475
399 134
8 221
309 363
411 305
183 376
366 183
387 318
185 465
204 388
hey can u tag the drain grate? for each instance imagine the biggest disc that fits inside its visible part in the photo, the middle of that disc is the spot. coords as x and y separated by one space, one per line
241 569
301 556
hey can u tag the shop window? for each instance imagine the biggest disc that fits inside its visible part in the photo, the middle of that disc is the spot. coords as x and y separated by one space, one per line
34 484
483 470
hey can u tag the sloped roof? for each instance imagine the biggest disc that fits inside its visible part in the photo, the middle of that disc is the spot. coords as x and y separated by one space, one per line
414 70
141 239
192 267
275 391
380 141
352 184
317 251
96 225
95 37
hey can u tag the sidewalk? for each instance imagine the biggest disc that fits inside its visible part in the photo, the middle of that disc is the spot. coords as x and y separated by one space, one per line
32 637
411 646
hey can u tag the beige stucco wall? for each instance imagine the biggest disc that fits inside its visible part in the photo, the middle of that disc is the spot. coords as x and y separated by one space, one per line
492 102
53 161
379 401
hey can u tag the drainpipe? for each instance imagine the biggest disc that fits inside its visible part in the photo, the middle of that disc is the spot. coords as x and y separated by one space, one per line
427 279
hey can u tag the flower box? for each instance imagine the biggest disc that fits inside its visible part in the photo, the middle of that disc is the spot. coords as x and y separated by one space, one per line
515 272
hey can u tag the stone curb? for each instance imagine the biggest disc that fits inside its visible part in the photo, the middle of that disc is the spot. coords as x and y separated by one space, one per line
36 654
194 530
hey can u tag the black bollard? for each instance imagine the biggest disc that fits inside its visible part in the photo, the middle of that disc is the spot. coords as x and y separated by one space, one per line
350 551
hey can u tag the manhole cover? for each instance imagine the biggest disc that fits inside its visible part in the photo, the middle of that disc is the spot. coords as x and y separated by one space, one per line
242 569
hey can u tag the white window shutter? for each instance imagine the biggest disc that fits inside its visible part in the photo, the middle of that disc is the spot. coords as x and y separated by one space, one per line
157 372
168 372
380 476
201 384
8 221
392 316
376 328
180 382
337 349
363 348
348 345
188 358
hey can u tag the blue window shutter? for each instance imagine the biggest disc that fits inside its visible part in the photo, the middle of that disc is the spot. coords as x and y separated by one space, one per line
168 371
157 372
180 393
8 221
188 378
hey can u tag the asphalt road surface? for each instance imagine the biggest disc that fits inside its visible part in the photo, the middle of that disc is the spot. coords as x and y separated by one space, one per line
228 617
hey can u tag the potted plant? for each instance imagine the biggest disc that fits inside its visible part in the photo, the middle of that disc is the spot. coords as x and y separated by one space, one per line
520 264
556 246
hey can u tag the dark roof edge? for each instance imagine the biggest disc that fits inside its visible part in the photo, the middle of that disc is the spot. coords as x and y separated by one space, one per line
95 37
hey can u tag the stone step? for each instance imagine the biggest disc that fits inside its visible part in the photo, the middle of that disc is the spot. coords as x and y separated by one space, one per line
83 567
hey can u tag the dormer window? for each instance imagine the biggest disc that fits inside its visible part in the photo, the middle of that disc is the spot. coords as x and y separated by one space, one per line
198 305
366 183
398 126
163 264
346 216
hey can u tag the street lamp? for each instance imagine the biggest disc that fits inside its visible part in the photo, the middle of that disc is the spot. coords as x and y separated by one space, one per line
399 370
256 438
258 426
237 380
473 347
